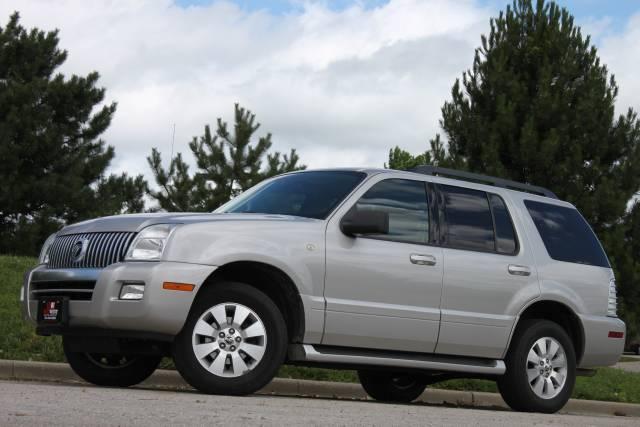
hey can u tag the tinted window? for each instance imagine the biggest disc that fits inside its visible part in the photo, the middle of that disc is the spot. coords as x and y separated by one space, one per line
566 234
406 203
306 194
505 235
468 219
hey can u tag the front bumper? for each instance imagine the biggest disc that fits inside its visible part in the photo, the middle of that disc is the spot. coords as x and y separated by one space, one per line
599 348
160 312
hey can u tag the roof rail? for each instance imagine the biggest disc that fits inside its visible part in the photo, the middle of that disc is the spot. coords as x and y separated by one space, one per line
483 179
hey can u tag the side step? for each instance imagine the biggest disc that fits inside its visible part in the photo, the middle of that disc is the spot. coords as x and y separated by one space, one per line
431 362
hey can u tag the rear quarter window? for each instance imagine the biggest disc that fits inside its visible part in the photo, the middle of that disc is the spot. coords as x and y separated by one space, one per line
566 234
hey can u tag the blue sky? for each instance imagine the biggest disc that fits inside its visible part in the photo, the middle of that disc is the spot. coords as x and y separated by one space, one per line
616 9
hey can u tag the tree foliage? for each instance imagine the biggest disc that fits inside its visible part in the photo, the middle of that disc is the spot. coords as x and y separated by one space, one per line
228 163
538 106
53 160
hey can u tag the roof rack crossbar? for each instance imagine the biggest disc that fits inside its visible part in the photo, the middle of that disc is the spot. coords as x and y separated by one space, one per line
483 179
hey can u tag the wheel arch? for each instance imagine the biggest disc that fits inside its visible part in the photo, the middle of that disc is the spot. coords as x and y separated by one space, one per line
278 286
559 313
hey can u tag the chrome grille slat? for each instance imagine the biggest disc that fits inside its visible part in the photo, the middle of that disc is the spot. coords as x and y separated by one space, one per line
108 248
103 249
100 248
118 249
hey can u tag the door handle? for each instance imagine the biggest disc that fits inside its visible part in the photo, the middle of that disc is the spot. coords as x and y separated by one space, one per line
519 270
420 259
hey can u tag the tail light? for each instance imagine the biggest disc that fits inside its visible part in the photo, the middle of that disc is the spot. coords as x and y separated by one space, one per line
612 307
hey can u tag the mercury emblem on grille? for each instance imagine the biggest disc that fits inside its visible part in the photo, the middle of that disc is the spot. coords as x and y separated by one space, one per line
79 249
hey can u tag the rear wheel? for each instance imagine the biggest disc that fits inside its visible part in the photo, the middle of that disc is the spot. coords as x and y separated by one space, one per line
113 370
541 368
391 387
233 342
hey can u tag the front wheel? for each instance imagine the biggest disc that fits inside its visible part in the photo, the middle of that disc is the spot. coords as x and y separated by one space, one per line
541 368
112 370
233 342
391 387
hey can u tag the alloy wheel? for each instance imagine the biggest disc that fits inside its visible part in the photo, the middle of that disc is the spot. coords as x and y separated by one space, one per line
229 340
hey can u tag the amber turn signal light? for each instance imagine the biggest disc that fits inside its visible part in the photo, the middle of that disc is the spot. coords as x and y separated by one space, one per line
171 286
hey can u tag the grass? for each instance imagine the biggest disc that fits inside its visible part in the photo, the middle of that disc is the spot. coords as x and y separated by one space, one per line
625 359
18 341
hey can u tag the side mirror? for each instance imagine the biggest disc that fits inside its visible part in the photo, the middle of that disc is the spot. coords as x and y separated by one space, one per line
365 222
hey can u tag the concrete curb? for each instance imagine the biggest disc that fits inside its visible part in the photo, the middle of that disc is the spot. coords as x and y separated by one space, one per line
171 380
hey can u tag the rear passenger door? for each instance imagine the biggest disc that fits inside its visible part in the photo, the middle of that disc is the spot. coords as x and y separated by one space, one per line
489 271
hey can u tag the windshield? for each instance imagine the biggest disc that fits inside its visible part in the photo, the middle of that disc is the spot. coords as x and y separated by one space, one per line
305 194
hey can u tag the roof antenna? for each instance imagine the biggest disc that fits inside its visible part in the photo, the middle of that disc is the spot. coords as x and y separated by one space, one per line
173 140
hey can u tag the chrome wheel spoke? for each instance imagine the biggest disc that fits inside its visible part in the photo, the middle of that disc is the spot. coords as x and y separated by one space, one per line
542 346
538 386
240 315
532 374
204 329
532 357
219 313
557 377
239 365
255 351
553 349
255 330
203 350
560 361
549 388
217 367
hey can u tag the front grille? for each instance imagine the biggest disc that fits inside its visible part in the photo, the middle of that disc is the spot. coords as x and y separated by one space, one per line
100 250
78 290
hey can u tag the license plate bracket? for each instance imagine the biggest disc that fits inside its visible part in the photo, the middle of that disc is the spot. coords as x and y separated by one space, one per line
53 311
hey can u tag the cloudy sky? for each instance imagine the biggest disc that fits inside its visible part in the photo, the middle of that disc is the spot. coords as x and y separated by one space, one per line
342 81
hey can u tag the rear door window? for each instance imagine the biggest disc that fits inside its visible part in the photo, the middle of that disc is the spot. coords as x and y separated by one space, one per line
469 224
566 234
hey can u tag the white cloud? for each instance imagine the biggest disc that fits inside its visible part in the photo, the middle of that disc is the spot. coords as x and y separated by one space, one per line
340 86
621 52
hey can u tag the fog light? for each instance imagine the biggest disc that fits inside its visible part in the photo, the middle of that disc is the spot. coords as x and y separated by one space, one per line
132 291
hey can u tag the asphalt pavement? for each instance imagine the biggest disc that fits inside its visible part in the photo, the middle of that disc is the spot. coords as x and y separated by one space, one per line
30 403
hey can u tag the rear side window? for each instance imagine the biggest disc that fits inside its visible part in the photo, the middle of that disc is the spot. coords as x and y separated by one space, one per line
406 203
505 235
566 234
468 218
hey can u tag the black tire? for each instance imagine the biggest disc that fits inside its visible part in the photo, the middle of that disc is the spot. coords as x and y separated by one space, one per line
514 385
260 374
391 387
111 370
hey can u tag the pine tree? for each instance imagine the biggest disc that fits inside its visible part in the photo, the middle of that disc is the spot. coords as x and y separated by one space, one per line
53 160
538 106
403 160
228 163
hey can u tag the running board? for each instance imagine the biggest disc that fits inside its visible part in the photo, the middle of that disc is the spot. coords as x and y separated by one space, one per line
367 357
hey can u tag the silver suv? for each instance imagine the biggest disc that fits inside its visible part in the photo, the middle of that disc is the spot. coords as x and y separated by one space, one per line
409 277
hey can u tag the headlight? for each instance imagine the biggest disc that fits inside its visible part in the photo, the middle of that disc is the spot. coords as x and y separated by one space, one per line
150 243
44 252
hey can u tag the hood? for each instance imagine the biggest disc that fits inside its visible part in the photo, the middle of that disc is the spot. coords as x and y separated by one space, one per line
136 222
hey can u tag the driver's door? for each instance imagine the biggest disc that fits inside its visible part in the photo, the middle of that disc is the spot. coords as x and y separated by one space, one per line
383 291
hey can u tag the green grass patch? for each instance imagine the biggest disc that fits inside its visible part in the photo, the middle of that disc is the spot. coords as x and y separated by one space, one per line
625 359
18 341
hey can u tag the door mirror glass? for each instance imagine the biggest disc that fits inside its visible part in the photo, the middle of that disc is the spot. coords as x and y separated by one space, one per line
365 222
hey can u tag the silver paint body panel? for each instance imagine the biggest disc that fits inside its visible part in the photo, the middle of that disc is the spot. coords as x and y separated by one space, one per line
356 292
